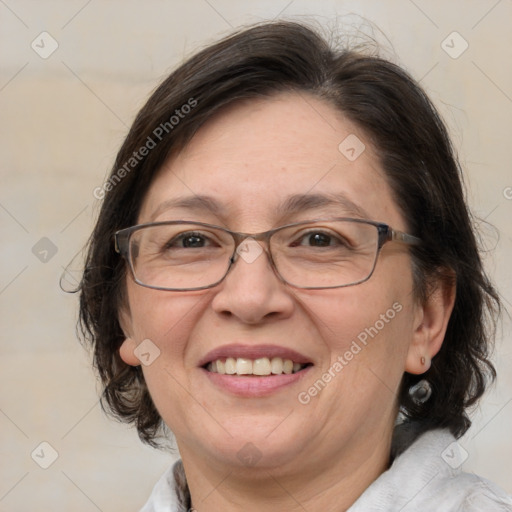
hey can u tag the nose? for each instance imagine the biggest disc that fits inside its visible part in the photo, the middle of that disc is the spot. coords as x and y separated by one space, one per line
252 292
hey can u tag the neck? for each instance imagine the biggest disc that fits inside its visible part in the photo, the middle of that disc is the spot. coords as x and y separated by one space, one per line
305 484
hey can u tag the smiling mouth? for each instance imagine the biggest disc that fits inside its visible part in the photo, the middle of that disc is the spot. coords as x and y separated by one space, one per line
263 366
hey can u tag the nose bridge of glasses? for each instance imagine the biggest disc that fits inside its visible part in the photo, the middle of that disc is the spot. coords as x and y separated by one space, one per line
248 246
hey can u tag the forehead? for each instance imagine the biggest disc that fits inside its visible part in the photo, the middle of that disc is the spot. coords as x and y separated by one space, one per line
251 162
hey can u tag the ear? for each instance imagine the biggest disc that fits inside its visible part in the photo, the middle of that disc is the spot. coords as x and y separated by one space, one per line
127 348
127 352
430 325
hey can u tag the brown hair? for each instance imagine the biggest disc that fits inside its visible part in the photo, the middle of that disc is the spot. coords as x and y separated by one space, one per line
415 153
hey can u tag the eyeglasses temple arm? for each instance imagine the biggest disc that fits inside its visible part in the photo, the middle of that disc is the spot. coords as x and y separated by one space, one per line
400 236
120 242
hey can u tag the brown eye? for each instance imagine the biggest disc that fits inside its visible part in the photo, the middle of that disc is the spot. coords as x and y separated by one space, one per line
189 240
319 239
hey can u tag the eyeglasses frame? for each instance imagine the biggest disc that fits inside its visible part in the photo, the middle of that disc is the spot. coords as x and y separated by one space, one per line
385 234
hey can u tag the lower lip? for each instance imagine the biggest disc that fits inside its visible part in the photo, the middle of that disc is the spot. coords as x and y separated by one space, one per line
252 386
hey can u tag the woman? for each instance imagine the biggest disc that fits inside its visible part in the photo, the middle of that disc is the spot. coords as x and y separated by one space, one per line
283 263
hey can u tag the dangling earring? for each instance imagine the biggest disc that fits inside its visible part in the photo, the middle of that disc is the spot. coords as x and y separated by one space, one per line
420 392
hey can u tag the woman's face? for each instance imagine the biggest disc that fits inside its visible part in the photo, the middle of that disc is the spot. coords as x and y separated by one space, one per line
250 159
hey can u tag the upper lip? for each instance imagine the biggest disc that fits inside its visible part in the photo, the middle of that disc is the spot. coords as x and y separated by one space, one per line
253 352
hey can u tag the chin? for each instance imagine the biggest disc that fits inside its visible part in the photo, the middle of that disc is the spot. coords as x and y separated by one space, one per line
249 444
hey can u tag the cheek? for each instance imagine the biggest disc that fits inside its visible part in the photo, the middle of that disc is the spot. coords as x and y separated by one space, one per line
370 323
166 318
350 316
367 342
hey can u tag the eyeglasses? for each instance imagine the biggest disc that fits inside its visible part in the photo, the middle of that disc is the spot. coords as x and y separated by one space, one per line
317 254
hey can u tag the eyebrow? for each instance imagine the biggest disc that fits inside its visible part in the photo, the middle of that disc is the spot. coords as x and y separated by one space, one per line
293 204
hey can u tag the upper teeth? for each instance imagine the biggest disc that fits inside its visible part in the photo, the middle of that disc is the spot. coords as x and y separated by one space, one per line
261 366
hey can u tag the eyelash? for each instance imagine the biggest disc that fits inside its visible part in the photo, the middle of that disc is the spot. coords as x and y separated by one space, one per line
301 236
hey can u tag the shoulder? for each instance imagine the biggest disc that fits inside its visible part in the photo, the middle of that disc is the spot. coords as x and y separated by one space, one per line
481 494
463 492
427 476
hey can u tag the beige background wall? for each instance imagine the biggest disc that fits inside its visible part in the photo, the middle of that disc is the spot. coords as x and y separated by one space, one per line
62 120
